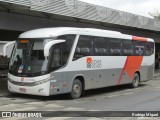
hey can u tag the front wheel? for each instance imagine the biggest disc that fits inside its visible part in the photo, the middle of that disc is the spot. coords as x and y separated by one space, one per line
135 80
76 89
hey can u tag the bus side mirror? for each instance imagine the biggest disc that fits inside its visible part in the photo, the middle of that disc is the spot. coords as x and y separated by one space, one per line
49 45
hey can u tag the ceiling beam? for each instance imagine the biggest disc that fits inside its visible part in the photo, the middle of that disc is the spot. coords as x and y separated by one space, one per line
4 7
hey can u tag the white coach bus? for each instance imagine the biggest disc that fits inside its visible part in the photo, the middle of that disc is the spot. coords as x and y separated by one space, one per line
60 60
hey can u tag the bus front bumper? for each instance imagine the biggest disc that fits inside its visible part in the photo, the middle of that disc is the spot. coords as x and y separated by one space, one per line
41 90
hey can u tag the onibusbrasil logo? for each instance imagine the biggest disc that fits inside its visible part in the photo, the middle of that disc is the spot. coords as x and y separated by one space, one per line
91 63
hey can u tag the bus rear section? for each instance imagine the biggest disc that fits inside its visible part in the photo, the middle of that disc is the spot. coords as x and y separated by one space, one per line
101 61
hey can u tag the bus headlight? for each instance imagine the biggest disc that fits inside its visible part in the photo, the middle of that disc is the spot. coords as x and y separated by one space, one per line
42 81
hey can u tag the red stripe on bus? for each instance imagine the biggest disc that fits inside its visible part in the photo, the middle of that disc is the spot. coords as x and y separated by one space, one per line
132 64
139 38
123 70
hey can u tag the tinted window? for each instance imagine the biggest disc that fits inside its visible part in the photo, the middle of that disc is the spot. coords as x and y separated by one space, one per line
67 46
127 48
115 47
138 48
149 48
61 51
84 47
100 46
37 55
56 56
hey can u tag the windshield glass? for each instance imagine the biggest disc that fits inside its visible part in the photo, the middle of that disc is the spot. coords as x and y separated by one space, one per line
28 58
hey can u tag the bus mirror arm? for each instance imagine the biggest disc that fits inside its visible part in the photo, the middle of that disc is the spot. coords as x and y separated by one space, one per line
49 45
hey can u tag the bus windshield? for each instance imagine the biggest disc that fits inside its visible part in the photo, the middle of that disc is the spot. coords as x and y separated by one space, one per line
28 58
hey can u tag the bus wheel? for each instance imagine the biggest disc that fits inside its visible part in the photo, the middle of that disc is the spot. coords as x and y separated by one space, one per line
135 80
76 89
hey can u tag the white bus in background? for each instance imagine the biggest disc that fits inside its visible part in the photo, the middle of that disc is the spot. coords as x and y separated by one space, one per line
2 43
5 53
6 48
61 60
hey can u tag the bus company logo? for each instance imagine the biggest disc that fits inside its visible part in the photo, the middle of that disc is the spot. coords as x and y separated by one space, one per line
89 62
22 79
93 63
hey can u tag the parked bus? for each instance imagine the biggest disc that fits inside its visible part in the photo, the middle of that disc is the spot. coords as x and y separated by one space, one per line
5 53
61 60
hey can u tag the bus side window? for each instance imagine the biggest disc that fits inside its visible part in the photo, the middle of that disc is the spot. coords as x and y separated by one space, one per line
56 56
100 46
84 47
149 48
67 46
115 47
138 48
127 48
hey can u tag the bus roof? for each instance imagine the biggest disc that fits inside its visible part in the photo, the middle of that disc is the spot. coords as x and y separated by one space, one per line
57 31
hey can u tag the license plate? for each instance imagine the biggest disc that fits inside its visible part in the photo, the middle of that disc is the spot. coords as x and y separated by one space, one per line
22 89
